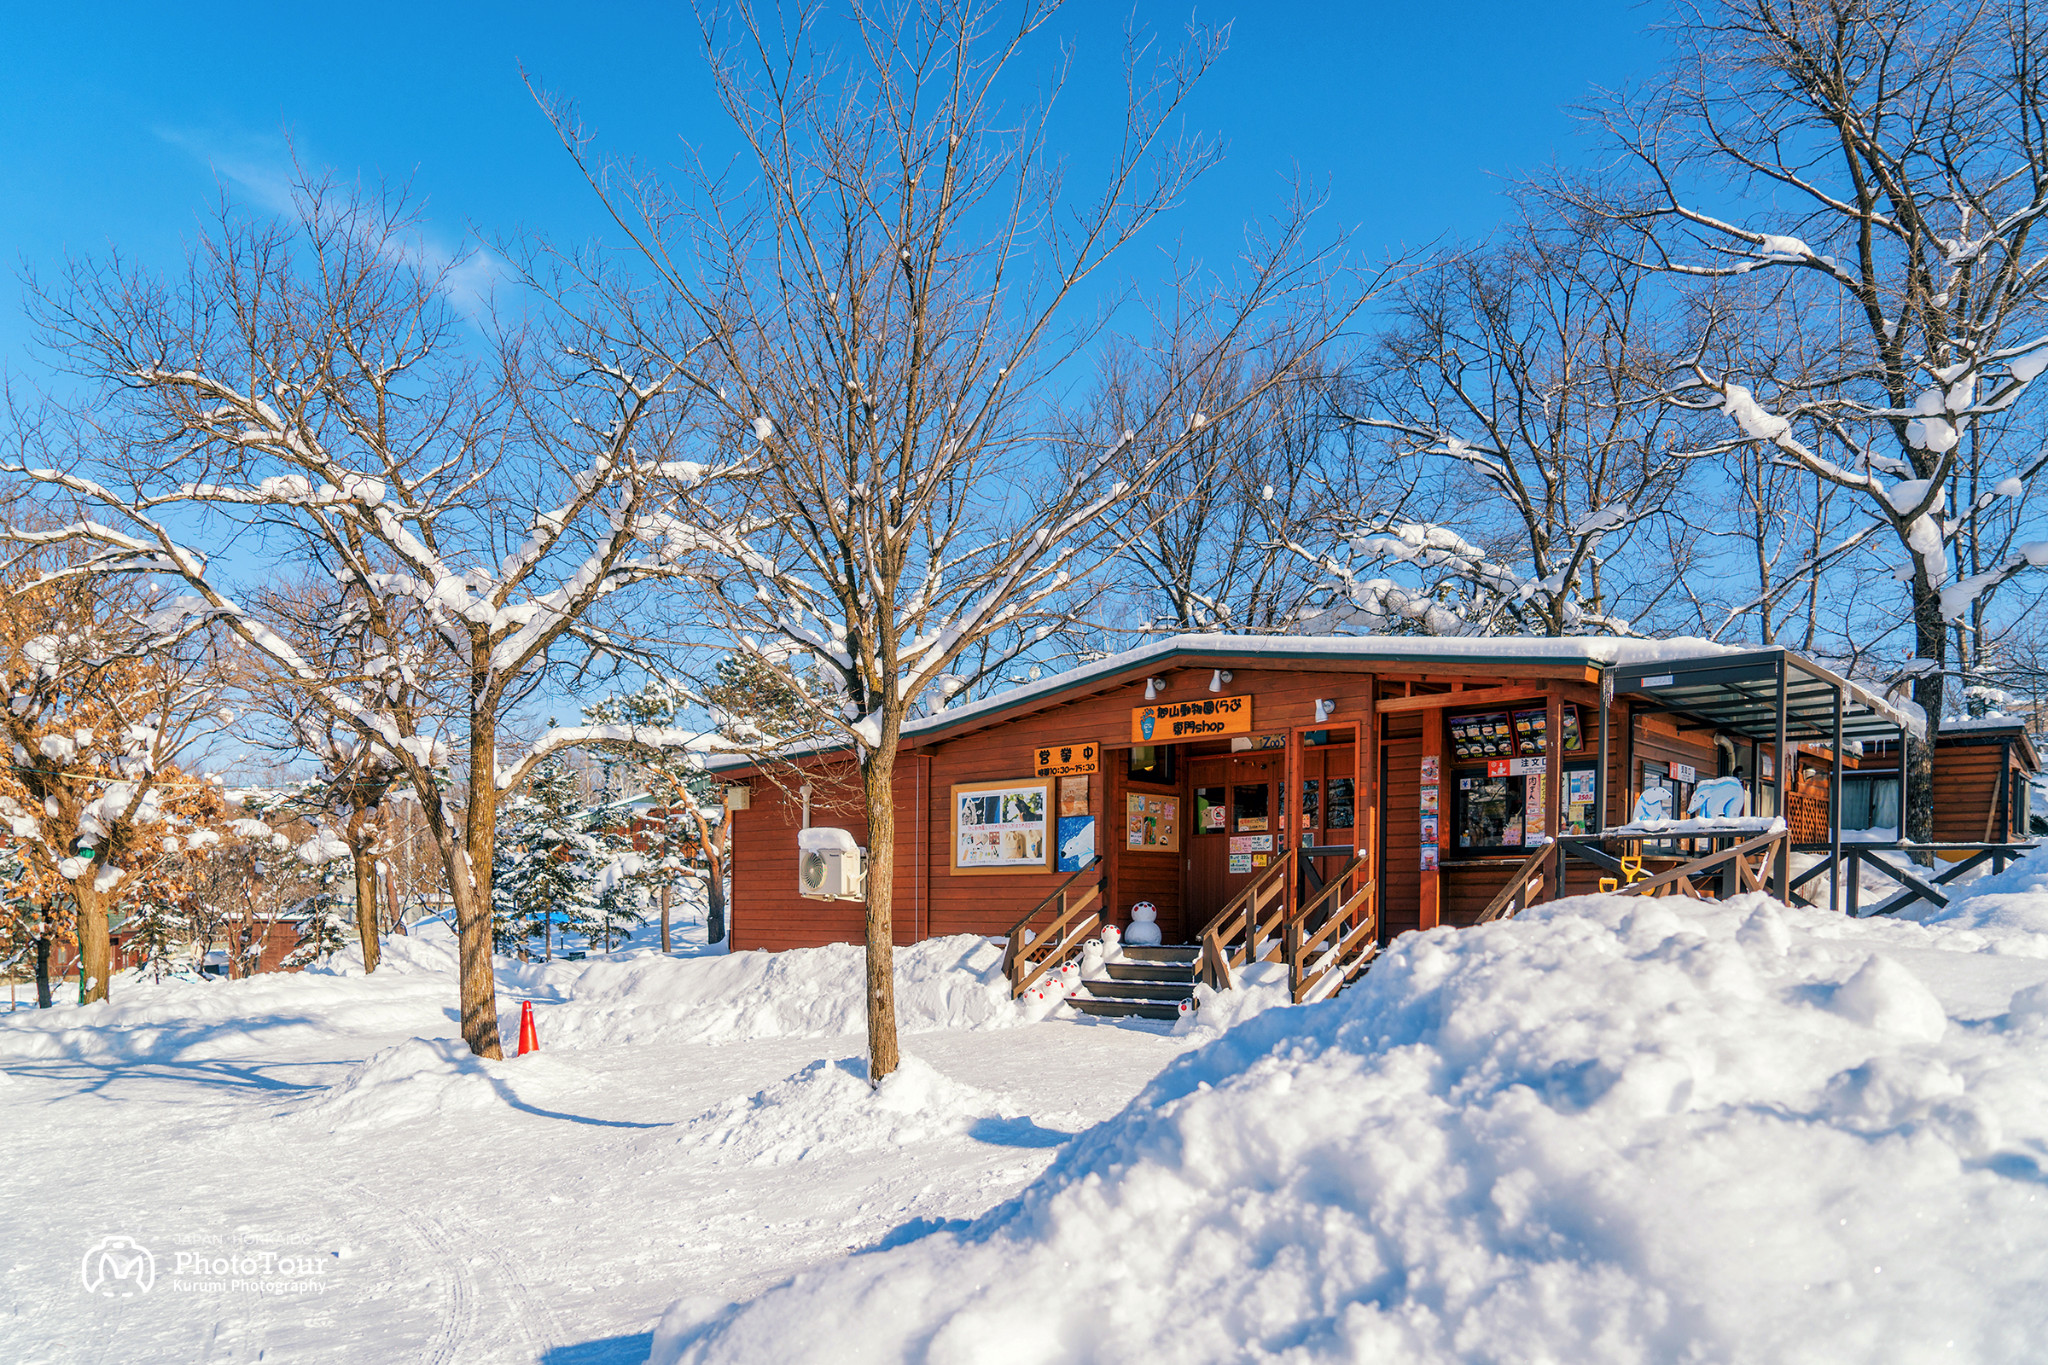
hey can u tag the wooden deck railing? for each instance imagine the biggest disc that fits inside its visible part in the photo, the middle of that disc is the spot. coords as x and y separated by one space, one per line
1679 881
1027 957
1332 932
1233 939
1524 888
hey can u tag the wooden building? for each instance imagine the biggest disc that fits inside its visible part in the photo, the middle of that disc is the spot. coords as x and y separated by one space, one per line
1191 765
1982 768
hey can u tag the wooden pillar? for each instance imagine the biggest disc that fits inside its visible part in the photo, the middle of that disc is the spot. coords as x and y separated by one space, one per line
1366 795
1432 877
1553 763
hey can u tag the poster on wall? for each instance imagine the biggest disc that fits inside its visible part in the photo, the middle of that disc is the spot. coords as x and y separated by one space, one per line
1429 801
1077 842
1240 862
1535 810
1429 829
1429 857
1152 823
1002 827
1429 768
1076 826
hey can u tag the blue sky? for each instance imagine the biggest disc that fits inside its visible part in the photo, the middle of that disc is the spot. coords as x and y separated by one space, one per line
116 125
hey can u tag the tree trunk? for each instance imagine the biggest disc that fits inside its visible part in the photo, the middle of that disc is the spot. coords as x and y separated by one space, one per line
92 936
43 1001
366 905
362 837
466 863
1931 642
391 898
664 916
878 779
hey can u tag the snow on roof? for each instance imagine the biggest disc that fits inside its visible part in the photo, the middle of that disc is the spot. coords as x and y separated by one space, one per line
1993 724
1563 649
1594 650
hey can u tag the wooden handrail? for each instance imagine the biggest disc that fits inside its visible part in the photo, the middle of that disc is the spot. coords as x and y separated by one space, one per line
1071 928
1353 951
1014 935
1683 874
1285 860
1518 884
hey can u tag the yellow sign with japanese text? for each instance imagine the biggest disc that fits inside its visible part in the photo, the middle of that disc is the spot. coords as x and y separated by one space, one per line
1064 760
1167 721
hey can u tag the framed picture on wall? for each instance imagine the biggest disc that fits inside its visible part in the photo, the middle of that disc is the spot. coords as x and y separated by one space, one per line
1003 826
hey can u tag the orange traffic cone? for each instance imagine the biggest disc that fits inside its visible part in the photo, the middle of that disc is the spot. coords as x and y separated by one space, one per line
529 1036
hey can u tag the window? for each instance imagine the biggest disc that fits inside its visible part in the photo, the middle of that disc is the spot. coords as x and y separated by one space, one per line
1340 812
1580 787
1248 806
1211 810
1153 763
1487 812
1870 801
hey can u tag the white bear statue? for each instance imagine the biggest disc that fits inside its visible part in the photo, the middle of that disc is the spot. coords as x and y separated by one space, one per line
1653 804
1719 798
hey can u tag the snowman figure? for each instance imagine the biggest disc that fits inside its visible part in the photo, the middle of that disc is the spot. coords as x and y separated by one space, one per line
1144 930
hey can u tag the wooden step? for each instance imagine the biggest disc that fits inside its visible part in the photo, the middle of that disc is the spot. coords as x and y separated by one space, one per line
1151 971
1126 1009
1176 991
1173 952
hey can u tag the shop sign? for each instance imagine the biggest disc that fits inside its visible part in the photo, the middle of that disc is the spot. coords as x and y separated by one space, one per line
1171 720
1064 760
1684 772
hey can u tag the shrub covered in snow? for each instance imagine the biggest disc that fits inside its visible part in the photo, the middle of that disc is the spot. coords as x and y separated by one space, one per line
1614 1130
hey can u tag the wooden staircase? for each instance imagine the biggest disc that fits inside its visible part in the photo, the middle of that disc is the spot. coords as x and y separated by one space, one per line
1326 932
1147 983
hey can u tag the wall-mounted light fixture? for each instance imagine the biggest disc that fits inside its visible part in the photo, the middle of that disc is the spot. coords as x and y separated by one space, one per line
1217 679
1153 687
1324 706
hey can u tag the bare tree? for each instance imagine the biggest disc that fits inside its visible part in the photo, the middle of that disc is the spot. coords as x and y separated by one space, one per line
1891 158
893 289
1521 385
304 379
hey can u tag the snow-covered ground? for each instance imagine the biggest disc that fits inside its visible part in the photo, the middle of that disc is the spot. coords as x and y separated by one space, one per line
1613 1130
691 1125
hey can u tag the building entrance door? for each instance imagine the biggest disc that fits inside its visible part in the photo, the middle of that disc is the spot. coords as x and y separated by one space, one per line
1240 826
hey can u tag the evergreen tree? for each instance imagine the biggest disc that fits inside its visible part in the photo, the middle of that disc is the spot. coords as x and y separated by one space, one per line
542 882
324 916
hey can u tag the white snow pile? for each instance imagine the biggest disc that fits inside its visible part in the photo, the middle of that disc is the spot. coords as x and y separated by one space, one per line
1260 986
424 1078
1615 1129
829 1109
641 997
943 983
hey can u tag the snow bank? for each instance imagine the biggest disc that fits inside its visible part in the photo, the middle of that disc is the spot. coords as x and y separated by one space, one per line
1611 1130
640 997
829 1109
424 1078
945 983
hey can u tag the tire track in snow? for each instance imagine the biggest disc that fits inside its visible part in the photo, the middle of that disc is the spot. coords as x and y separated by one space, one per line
458 1326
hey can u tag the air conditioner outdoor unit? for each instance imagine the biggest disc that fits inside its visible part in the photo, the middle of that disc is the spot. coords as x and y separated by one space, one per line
830 866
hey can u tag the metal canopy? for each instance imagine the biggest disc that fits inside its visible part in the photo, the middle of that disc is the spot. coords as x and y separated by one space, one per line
1739 692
